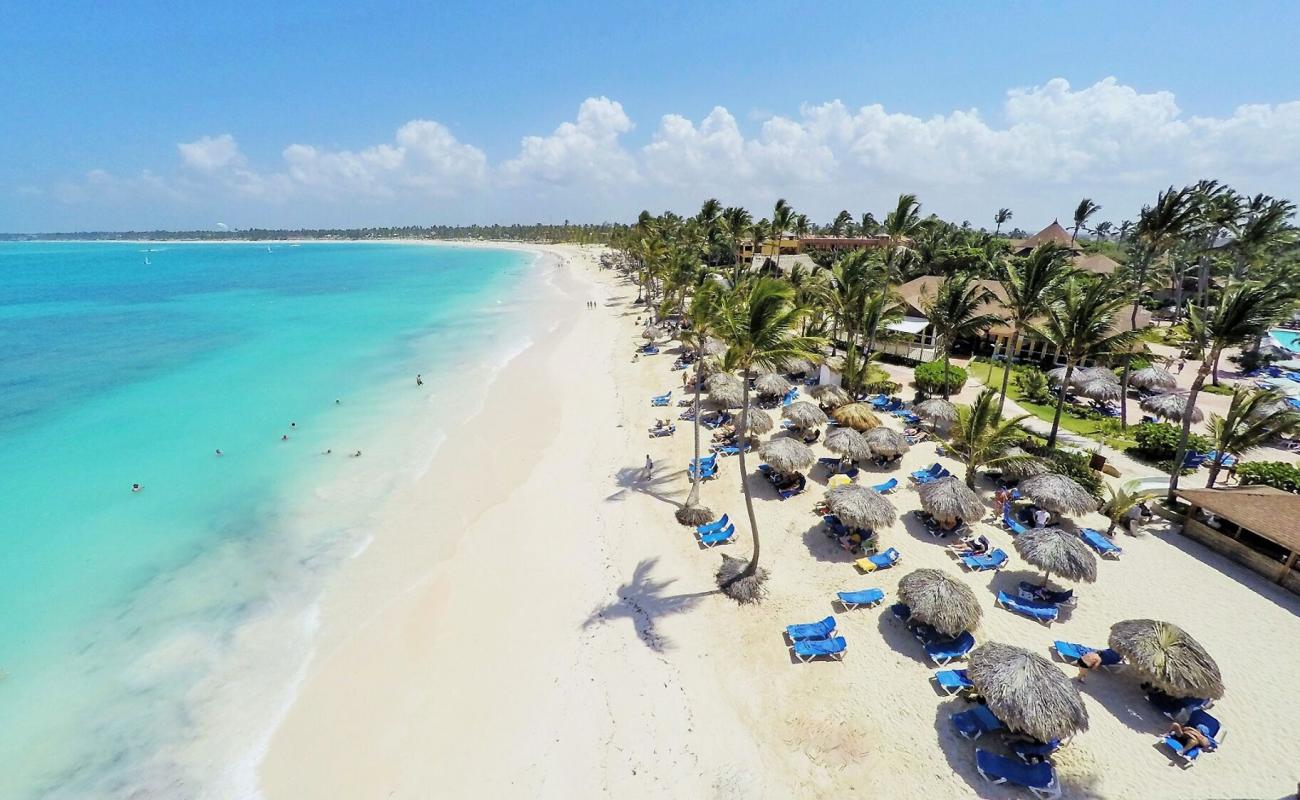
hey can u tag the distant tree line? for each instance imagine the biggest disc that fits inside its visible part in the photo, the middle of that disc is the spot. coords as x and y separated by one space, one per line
583 234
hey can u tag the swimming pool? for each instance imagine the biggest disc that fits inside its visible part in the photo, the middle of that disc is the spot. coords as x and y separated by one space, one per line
1288 339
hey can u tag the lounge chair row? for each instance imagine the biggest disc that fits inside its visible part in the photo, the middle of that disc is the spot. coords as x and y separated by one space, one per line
811 640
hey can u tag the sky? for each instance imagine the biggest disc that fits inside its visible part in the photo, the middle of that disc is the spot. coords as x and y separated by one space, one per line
148 115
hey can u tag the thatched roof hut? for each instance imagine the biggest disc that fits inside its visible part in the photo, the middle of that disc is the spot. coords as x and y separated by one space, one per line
1153 378
936 410
1057 553
847 443
1027 692
828 395
1170 406
1166 656
886 442
769 384
948 499
860 507
786 455
857 416
940 600
803 414
1058 493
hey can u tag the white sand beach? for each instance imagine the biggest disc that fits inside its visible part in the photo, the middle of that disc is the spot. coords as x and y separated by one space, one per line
530 621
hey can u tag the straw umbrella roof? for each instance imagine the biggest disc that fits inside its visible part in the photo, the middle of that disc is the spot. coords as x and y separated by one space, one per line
1168 657
936 410
1025 468
797 366
857 416
771 384
786 455
726 394
1170 405
1027 692
940 600
1099 388
886 441
1153 378
1080 376
1058 493
1058 553
847 443
860 507
948 498
719 378
757 421
714 346
830 395
804 414
653 332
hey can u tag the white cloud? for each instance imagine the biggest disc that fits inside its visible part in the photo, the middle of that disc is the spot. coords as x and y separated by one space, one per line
584 152
210 153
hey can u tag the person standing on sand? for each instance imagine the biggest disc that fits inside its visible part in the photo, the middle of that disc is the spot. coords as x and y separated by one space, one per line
649 471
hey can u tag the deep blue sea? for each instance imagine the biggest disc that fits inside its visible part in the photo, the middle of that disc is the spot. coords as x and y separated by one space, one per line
128 619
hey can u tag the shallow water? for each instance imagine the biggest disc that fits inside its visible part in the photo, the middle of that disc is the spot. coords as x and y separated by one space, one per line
148 640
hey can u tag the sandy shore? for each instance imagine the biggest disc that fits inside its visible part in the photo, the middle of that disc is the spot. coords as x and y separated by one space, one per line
531 622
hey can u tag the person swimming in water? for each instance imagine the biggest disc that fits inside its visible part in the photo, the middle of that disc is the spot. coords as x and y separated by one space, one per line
419 380
293 424
135 487
284 438
219 453
357 454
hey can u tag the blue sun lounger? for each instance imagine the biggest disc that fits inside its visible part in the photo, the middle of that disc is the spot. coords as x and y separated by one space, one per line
952 681
1032 591
886 487
901 611
733 449
994 560
1211 727
944 651
1038 778
976 722
942 473
822 629
1010 523
1104 547
716 525
1031 752
707 472
883 560
1071 652
1045 613
865 597
1177 708
928 472
790 396
717 537
661 400
808 649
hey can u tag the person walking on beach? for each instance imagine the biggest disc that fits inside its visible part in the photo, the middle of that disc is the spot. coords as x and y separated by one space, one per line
649 471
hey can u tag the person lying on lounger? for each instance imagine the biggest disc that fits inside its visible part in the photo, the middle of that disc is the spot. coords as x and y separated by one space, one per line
975 546
1190 736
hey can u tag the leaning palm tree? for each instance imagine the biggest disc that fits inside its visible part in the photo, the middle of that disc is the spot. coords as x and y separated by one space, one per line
759 323
1082 213
982 439
703 313
1030 284
1245 310
783 218
901 226
954 313
1001 218
1080 325
1253 420
1119 502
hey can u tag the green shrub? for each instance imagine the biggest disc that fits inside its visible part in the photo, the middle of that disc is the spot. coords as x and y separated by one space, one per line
1278 474
1077 466
1033 386
1158 441
929 377
1210 388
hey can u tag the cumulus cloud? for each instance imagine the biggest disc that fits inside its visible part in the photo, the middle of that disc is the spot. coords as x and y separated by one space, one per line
586 151
210 153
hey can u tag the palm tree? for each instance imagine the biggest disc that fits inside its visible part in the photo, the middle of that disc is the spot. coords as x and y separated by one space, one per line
1079 325
1082 213
782 220
710 220
842 223
703 317
1103 229
1000 218
1123 230
1029 283
1254 419
759 323
1264 227
1119 502
901 226
1245 310
736 222
955 314
981 438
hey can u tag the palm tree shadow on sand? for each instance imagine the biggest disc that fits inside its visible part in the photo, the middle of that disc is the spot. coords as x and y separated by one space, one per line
643 600
633 479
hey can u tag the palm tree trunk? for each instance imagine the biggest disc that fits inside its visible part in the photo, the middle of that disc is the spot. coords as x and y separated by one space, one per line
693 499
752 568
1215 466
1006 370
1201 374
946 367
880 312
1133 321
1060 402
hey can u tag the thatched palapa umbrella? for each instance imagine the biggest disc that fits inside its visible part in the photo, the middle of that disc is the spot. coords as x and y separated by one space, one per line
803 414
1080 376
1057 553
940 600
848 444
1101 388
886 442
1058 493
653 332
786 455
769 384
798 366
1024 467
948 499
714 346
1027 692
757 420
1153 378
857 416
725 390
1170 406
830 396
860 507
936 410
1168 658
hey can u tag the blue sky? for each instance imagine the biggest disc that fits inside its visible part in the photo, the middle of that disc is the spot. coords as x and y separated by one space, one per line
99 100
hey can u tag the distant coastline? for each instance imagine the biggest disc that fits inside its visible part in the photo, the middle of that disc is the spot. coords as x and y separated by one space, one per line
531 234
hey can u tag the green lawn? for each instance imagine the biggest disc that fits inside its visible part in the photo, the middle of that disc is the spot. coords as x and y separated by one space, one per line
1070 422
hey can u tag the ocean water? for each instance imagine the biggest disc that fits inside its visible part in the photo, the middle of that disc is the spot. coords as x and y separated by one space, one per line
149 640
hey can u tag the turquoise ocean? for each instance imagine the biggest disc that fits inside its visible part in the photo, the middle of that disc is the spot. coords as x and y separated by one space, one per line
149 640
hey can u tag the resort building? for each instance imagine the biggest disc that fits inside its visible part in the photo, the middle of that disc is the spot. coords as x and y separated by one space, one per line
1253 525
792 246
1095 263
